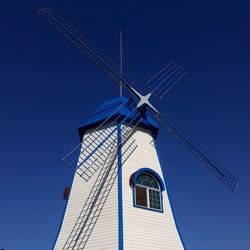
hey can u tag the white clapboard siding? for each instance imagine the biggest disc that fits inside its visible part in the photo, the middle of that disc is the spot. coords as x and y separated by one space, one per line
144 229
104 235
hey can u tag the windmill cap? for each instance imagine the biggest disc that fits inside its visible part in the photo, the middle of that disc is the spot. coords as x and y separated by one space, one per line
109 108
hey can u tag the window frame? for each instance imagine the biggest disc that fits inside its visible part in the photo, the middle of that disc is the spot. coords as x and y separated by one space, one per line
147 192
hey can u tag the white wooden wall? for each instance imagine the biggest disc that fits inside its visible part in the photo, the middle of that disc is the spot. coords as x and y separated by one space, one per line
144 229
105 233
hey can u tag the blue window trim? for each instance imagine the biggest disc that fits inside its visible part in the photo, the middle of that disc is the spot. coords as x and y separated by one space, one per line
159 180
151 172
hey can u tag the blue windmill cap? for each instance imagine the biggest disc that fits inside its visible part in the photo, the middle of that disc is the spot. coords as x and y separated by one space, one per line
119 106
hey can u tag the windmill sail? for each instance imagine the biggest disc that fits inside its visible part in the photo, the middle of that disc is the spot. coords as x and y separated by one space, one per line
91 154
165 80
85 46
199 151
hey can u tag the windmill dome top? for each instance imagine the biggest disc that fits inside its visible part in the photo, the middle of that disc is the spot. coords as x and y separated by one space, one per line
119 106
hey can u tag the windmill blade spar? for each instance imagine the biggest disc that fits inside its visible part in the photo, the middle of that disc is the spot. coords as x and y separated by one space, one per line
87 48
160 84
198 150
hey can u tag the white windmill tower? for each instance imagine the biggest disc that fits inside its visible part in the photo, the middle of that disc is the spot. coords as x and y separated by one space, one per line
118 198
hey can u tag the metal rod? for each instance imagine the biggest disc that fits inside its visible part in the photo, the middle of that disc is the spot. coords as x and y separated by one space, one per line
156 75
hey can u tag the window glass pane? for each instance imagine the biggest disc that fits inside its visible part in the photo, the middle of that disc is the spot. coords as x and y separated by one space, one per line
154 184
147 180
141 196
154 199
139 180
146 183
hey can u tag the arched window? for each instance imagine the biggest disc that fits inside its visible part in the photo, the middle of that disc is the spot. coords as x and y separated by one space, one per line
147 192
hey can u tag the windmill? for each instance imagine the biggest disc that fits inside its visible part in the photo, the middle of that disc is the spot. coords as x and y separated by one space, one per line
118 198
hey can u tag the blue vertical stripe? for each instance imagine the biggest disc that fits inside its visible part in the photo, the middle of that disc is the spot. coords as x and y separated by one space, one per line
120 208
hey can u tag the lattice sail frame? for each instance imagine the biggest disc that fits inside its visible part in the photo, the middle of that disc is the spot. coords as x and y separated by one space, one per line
199 151
92 152
160 84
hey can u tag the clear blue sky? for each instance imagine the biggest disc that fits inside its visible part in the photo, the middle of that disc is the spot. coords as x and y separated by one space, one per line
47 88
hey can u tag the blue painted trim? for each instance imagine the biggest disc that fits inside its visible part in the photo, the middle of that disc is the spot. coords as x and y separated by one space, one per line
107 109
64 211
152 172
177 227
120 208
